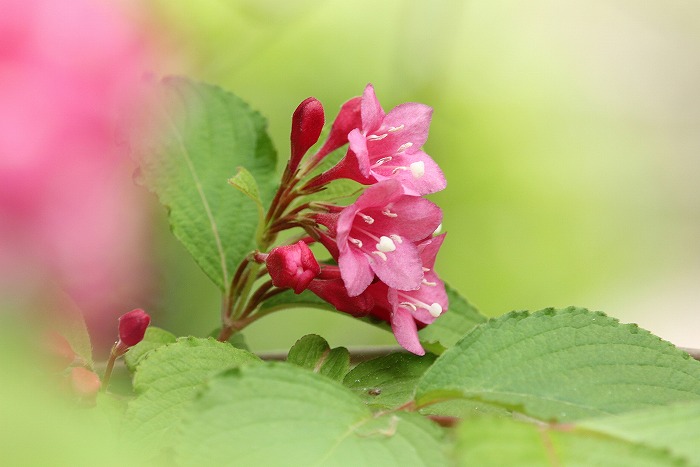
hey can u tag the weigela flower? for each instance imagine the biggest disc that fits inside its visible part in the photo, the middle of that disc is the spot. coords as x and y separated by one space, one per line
407 311
376 235
388 146
293 266
307 123
132 327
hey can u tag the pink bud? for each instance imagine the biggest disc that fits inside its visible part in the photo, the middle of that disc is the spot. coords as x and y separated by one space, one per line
85 382
307 123
132 326
292 266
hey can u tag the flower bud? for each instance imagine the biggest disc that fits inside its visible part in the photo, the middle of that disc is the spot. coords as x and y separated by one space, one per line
307 123
132 327
292 266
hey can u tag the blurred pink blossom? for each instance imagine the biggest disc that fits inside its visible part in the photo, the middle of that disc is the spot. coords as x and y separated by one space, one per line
69 215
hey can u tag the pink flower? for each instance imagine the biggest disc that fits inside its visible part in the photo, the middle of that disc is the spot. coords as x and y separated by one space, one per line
132 327
388 146
307 123
376 235
348 119
330 287
406 311
292 266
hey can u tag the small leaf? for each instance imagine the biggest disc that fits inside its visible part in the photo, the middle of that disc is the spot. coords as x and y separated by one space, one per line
444 332
245 182
499 441
281 415
313 353
206 133
167 379
562 365
154 338
675 428
388 381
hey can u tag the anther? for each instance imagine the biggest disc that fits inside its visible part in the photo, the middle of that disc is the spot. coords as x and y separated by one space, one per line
438 230
385 245
428 283
395 128
380 254
366 218
409 305
381 161
356 242
426 269
388 213
417 169
396 238
405 146
377 138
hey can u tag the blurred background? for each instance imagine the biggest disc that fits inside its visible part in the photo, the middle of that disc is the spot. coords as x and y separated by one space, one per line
569 132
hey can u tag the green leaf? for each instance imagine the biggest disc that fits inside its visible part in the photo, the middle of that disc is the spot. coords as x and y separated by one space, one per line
388 381
154 338
245 182
206 133
444 332
313 353
675 428
562 365
167 379
499 441
279 414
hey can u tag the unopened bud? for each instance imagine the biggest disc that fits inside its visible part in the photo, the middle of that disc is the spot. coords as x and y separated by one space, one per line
307 123
132 327
292 266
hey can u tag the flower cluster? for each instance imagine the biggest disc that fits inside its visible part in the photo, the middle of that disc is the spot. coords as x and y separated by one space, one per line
385 243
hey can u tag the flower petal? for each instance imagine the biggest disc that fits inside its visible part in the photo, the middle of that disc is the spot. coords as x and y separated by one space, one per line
405 330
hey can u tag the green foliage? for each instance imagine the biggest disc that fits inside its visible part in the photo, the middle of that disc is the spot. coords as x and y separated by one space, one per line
313 353
206 133
445 331
489 441
154 338
388 381
279 414
562 365
675 428
165 382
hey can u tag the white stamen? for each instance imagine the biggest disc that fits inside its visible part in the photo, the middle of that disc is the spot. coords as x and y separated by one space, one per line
377 138
409 305
380 254
381 161
356 241
395 128
366 218
438 230
426 269
385 245
396 169
388 213
428 283
403 147
435 310
396 238
417 169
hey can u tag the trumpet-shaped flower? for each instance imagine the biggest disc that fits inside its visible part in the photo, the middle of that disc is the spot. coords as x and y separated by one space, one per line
406 311
377 235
